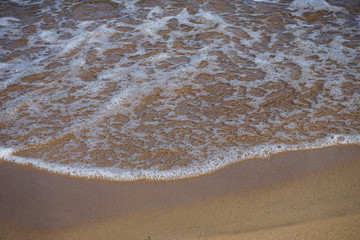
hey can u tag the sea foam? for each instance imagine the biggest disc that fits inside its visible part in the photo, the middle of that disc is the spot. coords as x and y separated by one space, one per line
164 91
218 161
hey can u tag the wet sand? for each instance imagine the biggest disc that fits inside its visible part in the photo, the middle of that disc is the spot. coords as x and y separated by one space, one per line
313 194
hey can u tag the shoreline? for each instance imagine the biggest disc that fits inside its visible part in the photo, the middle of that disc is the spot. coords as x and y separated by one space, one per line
192 171
284 191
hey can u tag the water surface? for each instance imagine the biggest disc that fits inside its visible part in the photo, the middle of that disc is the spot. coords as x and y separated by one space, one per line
126 90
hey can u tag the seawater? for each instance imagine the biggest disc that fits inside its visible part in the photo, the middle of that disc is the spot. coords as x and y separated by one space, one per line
128 90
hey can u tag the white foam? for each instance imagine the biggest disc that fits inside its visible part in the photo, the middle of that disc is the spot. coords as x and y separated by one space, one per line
8 21
129 4
267 1
5 153
159 57
218 161
48 36
108 67
27 2
314 5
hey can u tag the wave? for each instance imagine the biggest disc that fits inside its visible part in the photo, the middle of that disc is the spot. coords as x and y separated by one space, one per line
126 90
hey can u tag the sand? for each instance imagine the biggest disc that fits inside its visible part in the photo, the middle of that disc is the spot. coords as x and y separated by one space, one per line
313 194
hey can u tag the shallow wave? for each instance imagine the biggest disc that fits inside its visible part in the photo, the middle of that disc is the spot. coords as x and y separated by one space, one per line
193 170
127 90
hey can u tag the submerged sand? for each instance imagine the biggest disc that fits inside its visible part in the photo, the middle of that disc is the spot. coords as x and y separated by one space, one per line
312 194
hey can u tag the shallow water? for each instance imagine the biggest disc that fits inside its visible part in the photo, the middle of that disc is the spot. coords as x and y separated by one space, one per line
126 90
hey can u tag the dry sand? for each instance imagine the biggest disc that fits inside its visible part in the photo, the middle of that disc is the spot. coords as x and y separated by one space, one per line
312 194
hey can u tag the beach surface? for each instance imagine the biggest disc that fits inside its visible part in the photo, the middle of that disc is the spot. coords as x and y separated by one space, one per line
144 120
312 194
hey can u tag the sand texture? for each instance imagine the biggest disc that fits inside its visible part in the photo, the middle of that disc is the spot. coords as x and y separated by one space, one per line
312 194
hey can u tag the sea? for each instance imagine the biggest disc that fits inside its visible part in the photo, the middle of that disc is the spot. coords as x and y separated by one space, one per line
127 90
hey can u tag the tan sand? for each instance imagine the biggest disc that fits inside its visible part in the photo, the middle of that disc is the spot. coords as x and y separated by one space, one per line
311 194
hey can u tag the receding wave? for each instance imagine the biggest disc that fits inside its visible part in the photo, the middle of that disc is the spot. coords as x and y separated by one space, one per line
128 90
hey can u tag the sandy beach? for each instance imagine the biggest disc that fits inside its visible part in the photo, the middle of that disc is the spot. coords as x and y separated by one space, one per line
313 194
151 120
